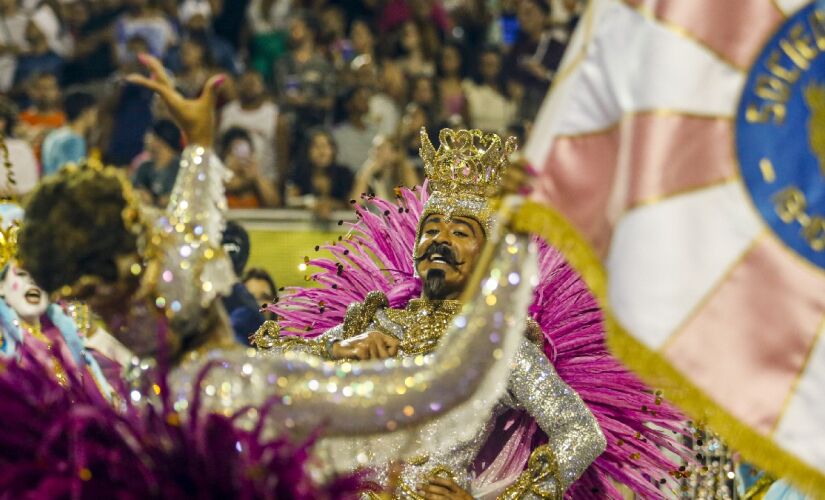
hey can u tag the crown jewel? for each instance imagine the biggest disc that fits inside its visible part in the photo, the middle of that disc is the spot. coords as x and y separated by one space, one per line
468 162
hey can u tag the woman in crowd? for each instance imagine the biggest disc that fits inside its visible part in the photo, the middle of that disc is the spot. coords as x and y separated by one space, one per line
248 187
386 169
320 183
450 89
488 103
415 56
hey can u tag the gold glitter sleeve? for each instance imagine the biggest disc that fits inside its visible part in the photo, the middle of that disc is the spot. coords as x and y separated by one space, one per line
268 339
575 438
391 409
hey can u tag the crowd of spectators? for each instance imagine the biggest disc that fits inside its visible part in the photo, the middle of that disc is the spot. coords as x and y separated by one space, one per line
325 98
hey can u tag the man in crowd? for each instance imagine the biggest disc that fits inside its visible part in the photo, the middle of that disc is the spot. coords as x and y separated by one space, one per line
156 176
68 143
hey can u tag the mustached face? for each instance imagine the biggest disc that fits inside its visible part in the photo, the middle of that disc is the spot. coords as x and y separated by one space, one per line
23 295
447 252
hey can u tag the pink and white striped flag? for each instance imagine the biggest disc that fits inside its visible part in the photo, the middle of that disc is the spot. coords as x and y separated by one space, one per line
684 141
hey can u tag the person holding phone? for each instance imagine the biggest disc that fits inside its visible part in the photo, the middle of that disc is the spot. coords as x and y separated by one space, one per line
248 187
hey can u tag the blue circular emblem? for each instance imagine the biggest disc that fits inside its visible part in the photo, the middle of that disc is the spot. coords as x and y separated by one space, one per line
780 134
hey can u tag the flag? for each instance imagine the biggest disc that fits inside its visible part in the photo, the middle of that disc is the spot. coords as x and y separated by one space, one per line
682 150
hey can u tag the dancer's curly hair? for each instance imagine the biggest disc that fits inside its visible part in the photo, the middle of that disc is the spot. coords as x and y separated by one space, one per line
74 227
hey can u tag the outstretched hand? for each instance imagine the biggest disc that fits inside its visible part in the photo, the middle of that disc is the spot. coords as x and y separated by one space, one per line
196 117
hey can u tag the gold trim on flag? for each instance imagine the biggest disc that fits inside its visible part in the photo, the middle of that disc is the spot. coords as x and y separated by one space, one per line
650 366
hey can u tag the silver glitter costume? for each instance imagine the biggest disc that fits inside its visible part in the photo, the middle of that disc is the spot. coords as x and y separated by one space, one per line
394 409
575 439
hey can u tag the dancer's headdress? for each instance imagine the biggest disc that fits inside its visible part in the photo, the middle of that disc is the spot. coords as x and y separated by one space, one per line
465 173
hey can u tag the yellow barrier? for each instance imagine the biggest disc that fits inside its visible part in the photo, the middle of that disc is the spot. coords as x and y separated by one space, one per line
280 239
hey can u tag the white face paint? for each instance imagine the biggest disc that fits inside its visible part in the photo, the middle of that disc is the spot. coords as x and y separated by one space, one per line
22 295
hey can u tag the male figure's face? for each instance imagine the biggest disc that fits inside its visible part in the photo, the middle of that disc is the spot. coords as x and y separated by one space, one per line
23 295
446 254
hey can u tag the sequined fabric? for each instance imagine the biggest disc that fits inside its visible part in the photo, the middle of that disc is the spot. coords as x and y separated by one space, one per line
575 439
194 269
394 409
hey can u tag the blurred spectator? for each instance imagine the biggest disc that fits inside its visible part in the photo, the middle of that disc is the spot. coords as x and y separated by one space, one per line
143 19
471 20
333 36
268 23
575 9
386 169
430 12
88 36
241 306
194 16
68 143
489 105
415 117
126 110
248 187
415 56
12 40
362 38
43 114
319 183
155 177
450 89
424 93
261 285
504 29
42 37
535 56
23 163
304 78
196 65
386 103
255 112
230 23
356 132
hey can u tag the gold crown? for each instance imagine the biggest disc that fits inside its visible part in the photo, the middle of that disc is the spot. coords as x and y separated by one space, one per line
467 161
464 174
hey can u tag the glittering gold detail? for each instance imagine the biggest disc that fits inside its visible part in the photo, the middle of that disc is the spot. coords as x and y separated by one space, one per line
815 98
360 314
465 173
653 368
468 161
534 333
7 165
37 332
421 460
83 318
8 243
538 480
713 471
424 323
759 489
269 337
